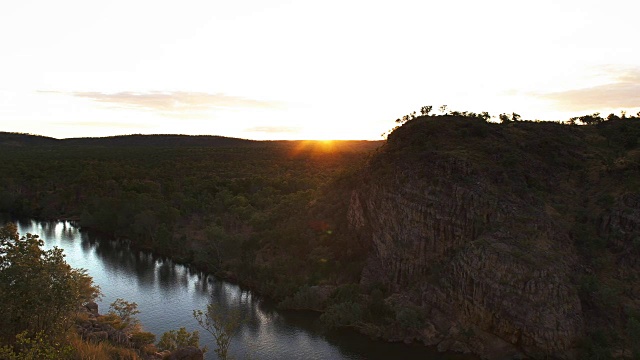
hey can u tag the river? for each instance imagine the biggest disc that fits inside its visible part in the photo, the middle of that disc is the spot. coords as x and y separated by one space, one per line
167 293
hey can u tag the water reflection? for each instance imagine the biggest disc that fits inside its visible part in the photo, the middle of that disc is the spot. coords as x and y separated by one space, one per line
167 293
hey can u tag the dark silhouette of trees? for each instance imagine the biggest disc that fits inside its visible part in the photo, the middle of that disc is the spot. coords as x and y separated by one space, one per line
425 110
613 116
504 118
592 119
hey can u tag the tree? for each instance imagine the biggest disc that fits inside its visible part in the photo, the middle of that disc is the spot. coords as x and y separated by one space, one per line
425 110
176 339
504 118
126 311
221 324
39 292
587 119
443 109
613 116
515 117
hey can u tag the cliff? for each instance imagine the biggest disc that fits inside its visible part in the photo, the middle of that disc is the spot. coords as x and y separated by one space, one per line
513 239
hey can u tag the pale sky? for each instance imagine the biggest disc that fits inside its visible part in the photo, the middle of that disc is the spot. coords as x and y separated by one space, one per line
263 69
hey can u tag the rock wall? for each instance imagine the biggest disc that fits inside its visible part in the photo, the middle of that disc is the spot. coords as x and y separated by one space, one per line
493 271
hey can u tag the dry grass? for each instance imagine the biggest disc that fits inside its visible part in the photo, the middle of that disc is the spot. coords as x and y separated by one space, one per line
99 351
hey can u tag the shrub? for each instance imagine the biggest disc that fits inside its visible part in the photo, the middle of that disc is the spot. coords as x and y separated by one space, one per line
176 339
36 347
142 338
343 314
409 318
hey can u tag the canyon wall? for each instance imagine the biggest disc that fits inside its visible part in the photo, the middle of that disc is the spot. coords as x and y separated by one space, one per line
487 251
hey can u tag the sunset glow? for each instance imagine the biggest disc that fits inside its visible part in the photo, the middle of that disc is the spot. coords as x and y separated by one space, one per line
298 70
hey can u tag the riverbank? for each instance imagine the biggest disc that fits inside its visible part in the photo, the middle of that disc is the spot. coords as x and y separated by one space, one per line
98 329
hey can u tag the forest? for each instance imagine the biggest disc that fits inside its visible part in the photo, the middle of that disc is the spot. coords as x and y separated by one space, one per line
217 207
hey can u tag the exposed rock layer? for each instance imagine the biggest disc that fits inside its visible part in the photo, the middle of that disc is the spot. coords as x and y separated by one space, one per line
483 248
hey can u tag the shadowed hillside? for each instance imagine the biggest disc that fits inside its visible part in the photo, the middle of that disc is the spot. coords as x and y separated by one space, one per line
20 139
500 239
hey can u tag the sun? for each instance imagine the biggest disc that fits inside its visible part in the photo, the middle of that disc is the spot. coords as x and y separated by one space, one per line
317 147
326 145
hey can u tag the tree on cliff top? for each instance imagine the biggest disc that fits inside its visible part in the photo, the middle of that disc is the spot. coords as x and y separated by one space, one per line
39 291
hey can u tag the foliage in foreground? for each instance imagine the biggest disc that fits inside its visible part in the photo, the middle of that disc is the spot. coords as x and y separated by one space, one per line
41 298
40 293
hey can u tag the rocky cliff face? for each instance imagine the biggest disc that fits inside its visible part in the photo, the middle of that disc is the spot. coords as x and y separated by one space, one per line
494 264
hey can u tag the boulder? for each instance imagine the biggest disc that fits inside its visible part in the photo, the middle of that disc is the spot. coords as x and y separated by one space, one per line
92 307
187 353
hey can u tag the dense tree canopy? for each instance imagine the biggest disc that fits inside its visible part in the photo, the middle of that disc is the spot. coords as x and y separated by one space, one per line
39 291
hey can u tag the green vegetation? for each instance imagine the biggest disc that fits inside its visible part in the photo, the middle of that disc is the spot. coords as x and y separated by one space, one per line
35 347
236 211
125 312
176 339
43 304
42 300
39 292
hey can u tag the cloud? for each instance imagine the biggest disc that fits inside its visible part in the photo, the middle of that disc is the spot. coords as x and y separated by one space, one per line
174 103
274 129
622 92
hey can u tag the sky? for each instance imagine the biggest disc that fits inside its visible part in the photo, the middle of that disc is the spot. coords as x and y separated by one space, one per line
279 69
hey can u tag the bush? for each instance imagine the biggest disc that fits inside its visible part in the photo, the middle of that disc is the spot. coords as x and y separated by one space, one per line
343 314
142 338
409 318
125 312
346 293
305 298
176 339
37 347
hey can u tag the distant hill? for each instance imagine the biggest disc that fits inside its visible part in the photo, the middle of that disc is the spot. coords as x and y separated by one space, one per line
168 140
160 141
21 139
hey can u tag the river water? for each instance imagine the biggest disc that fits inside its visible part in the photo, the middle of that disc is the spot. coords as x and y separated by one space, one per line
167 293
